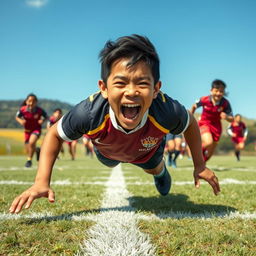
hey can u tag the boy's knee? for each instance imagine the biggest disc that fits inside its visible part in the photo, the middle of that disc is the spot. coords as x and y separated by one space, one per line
156 170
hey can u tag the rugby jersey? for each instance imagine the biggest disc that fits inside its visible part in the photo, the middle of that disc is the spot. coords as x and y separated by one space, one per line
95 118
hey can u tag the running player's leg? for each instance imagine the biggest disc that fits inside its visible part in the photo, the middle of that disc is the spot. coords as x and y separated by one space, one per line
177 141
31 148
208 145
157 168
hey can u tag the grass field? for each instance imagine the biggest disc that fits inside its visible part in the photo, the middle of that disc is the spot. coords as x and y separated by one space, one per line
100 211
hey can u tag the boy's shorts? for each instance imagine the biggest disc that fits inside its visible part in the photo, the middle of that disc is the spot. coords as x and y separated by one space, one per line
27 135
213 130
238 140
150 164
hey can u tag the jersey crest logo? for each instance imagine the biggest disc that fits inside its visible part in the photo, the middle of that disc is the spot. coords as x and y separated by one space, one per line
36 116
149 142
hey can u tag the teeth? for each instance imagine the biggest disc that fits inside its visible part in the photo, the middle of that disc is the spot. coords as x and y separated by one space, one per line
131 105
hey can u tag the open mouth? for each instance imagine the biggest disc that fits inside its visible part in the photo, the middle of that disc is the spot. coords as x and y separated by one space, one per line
130 111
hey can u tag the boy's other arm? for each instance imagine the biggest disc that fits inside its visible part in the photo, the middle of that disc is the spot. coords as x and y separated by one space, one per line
193 138
41 188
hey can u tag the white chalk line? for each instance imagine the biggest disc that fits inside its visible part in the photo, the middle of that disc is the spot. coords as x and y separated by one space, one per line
114 182
116 232
160 216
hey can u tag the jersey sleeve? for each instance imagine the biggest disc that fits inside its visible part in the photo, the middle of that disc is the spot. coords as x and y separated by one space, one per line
19 114
178 120
75 123
199 103
181 117
228 109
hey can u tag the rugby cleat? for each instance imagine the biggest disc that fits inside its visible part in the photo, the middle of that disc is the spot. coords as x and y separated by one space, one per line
28 164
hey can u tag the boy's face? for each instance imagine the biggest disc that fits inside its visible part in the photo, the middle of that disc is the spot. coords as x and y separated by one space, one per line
130 91
217 93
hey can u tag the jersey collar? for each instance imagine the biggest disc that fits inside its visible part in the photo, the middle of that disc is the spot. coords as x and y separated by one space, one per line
120 128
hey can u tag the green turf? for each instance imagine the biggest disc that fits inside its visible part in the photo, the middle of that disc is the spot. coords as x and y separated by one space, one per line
58 234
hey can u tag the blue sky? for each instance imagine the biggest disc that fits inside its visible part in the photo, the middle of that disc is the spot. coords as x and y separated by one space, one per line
51 47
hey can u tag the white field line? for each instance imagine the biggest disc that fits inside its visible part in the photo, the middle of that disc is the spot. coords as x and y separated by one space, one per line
116 182
160 216
116 232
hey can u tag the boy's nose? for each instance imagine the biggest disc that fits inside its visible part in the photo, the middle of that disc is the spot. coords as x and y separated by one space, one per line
131 90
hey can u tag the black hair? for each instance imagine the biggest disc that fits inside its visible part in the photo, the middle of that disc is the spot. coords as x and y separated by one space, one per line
29 95
57 109
136 48
218 83
238 115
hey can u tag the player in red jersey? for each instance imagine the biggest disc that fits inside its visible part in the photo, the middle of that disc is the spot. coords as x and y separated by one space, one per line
31 117
215 107
56 115
238 132
88 145
127 121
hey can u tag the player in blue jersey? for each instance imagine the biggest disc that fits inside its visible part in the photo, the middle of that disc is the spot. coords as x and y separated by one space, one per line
127 121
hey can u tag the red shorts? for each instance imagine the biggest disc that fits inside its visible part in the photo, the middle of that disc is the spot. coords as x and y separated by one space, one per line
27 134
238 140
70 142
215 131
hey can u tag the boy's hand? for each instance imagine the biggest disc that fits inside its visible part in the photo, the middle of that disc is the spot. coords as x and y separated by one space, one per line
28 196
208 176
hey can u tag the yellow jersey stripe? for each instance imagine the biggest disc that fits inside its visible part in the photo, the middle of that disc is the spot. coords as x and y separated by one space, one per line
100 127
163 98
156 124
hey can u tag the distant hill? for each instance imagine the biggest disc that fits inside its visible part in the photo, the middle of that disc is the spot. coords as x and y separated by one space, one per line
9 108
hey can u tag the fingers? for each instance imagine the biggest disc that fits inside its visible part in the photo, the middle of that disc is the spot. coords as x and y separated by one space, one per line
18 204
51 196
215 185
197 183
210 177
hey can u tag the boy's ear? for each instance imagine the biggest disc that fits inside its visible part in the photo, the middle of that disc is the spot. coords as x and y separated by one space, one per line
157 89
103 89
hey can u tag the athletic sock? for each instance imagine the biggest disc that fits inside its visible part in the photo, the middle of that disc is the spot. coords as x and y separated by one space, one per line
161 173
176 154
170 155
237 153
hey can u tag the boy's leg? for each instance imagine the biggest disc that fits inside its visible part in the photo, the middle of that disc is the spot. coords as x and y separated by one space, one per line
31 145
156 167
162 178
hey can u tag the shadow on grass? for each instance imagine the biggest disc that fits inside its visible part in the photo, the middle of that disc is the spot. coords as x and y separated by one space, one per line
177 203
174 206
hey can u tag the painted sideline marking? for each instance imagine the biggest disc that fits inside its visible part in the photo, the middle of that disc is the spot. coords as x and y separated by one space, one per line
161 216
116 182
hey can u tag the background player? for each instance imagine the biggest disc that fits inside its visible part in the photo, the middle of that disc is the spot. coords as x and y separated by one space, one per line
238 132
31 117
173 145
215 107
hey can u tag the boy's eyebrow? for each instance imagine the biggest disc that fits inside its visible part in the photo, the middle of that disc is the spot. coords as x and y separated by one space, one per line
136 78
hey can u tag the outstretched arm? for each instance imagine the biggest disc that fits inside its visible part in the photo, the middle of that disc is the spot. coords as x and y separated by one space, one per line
193 138
41 188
